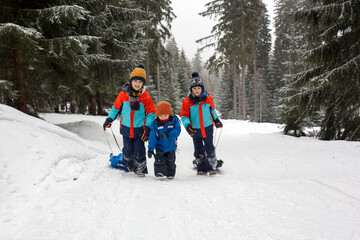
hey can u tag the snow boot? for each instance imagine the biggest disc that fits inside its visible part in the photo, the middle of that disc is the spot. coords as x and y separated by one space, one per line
212 173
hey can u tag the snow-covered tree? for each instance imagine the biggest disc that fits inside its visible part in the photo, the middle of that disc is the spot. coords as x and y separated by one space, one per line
233 38
331 83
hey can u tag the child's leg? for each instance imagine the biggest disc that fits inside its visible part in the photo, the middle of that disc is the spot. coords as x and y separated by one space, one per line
199 154
139 157
128 152
160 163
170 162
211 160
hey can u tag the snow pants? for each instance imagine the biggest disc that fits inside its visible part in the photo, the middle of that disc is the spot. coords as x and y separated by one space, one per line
165 163
204 154
134 154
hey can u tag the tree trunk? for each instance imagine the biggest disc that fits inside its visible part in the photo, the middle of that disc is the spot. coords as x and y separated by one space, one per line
234 87
21 81
158 82
147 58
92 107
260 98
243 59
255 88
100 103
81 104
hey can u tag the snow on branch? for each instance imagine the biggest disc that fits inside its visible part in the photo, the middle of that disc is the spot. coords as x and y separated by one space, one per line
27 32
59 14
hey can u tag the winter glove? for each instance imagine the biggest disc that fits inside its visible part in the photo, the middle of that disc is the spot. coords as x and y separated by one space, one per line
191 131
165 135
150 154
145 135
107 123
218 123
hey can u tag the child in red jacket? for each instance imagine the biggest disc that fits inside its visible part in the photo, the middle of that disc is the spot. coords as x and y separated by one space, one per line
137 112
198 116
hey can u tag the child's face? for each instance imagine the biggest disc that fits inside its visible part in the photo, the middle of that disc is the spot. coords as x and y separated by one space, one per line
196 91
164 117
136 84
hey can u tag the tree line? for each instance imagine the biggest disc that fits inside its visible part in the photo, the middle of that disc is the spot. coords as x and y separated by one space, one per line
81 52
310 77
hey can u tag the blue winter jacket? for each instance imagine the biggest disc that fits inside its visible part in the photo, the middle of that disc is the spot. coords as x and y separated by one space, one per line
173 127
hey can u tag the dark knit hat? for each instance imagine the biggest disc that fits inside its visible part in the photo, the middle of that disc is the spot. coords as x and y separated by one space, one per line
163 108
138 74
196 81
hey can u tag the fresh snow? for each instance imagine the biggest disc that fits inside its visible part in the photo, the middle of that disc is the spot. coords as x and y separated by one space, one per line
56 183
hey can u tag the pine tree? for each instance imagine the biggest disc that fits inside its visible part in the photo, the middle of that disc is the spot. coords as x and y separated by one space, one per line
160 15
290 46
31 34
331 84
183 76
223 100
233 41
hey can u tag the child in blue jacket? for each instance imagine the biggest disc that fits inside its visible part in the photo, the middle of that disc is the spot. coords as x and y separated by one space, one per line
164 132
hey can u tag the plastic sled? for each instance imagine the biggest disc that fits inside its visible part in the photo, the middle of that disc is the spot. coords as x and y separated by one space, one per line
117 162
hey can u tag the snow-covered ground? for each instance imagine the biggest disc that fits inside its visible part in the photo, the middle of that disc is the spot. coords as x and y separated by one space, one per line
55 183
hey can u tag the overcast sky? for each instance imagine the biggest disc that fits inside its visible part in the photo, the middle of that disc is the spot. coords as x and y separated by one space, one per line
189 26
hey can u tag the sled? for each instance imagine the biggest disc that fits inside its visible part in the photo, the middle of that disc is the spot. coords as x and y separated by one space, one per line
117 162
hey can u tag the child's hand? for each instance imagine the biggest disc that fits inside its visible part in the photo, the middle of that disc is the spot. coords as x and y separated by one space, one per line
145 135
218 123
107 123
190 130
150 154
165 135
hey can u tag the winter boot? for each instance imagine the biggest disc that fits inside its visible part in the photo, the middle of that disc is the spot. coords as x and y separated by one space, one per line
159 175
200 173
212 173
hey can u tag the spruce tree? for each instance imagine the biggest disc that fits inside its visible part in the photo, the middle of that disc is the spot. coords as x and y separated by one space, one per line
331 84
233 38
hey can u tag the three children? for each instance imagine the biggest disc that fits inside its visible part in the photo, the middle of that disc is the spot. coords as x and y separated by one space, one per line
141 120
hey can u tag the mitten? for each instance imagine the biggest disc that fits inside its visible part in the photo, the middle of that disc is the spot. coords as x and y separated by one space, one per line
107 123
218 123
191 131
164 135
145 135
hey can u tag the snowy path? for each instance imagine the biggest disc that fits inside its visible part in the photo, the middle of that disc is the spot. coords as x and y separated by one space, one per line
271 186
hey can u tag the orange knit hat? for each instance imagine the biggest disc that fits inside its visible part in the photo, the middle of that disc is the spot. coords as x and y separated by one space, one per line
138 73
163 108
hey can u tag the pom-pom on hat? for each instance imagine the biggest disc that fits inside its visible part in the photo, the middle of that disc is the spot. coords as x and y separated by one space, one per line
196 81
138 74
163 108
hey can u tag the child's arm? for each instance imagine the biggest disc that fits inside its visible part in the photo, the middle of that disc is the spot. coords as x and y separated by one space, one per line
175 132
115 110
210 101
152 139
185 113
150 109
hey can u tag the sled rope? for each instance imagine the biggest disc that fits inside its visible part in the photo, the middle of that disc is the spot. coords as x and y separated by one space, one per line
218 137
112 153
115 139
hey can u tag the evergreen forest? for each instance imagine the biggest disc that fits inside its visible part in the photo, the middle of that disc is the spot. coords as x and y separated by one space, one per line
75 55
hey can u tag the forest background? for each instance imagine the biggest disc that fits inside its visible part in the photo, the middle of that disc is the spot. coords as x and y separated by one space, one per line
75 55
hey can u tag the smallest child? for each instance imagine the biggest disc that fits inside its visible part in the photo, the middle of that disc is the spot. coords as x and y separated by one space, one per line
164 132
